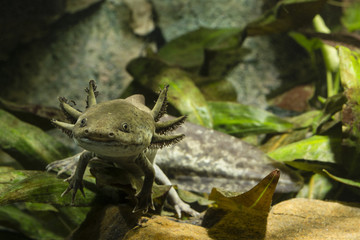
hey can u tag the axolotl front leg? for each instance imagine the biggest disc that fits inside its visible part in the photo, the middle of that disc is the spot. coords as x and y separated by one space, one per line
65 165
76 178
144 197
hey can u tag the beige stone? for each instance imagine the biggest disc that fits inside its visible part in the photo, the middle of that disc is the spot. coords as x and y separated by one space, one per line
293 219
313 219
159 227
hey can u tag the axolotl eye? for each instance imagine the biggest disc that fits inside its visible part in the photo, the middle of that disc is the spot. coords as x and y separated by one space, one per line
125 127
83 122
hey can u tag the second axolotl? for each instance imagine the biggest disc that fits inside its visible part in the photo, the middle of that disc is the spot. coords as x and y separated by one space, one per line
125 133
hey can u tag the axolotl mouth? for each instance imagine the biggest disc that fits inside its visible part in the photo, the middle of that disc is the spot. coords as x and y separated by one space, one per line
94 140
100 140
111 148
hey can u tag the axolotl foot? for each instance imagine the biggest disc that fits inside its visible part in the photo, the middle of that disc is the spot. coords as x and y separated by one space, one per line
65 165
144 202
184 207
74 185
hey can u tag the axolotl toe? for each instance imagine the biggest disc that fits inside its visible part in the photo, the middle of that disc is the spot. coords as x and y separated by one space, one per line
126 133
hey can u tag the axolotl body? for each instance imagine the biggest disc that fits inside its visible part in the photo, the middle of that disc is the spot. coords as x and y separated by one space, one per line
126 133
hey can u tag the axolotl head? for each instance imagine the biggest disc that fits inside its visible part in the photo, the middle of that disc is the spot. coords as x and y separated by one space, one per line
121 127
114 128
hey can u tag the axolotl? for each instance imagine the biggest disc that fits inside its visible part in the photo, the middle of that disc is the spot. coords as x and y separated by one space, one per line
125 133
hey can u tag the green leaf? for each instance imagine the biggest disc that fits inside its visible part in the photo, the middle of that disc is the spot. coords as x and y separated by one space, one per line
11 176
219 90
321 148
306 119
349 68
74 216
160 190
350 79
314 166
309 44
60 220
330 56
239 120
25 223
187 51
302 124
183 94
351 17
318 187
190 197
34 114
286 15
343 180
29 145
40 207
284 139
333 105
40 187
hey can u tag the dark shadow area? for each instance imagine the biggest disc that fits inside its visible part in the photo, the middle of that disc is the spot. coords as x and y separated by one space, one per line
106 222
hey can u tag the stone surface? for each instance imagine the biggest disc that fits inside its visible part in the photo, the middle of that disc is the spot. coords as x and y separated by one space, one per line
142 21
208 158
73 6
63 48
163 228
272 61
313 219
94 44
22 21
293 219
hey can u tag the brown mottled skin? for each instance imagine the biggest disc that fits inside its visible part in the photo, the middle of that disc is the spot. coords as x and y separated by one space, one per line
126 133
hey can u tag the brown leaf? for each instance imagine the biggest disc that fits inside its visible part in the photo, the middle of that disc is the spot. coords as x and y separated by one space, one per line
258 198
245 215
296 99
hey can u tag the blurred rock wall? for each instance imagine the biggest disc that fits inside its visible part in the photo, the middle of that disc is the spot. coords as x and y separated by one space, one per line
92 43
52 48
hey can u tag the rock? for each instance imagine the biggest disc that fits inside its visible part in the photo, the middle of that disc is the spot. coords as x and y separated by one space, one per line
66 43
95 43
270 64
141 16
73 6
159 228
293 219
313 219
22 21
208 158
